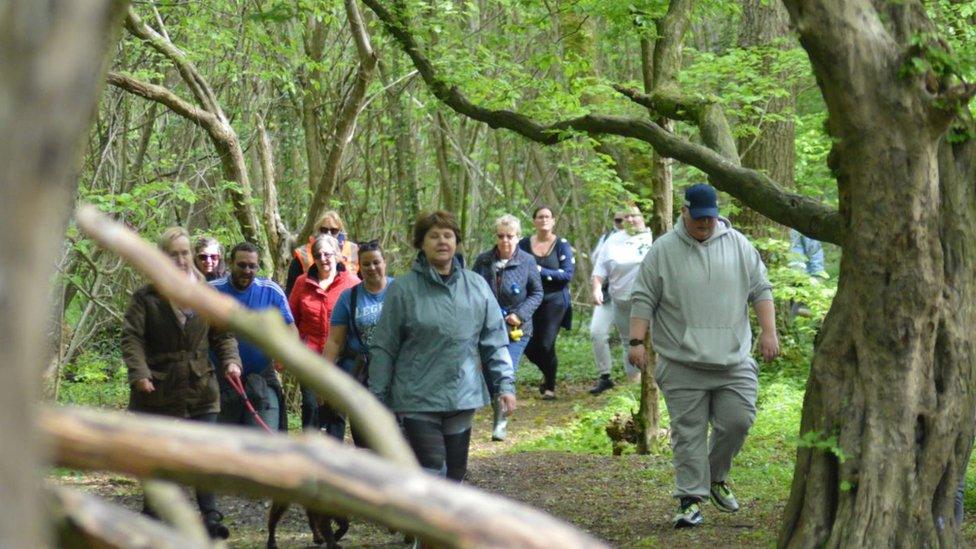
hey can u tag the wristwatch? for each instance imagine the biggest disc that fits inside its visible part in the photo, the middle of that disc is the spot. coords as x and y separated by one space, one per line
636 342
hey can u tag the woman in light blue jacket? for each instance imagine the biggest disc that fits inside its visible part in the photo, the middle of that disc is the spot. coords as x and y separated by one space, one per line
439 324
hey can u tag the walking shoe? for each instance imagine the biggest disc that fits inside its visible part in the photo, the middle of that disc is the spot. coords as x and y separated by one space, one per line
722 498
602 384
213 521
548 395
689 513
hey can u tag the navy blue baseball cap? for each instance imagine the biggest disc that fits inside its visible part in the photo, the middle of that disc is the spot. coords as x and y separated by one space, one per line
701 201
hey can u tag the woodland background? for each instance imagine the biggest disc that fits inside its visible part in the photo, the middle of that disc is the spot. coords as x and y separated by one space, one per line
246 119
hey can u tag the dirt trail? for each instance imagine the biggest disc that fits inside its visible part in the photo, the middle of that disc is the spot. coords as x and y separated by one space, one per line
624 500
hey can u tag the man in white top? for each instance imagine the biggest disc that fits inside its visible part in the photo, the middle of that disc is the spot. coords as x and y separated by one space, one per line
695 284
618 261
602 319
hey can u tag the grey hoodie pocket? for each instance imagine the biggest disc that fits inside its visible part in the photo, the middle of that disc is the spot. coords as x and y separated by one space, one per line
718 346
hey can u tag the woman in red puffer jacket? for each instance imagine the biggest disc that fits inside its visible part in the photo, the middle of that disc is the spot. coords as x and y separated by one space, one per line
312 300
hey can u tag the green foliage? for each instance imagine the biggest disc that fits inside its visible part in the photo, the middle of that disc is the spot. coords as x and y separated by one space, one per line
817 440
793 285
97 380
586 434
745 81
812 146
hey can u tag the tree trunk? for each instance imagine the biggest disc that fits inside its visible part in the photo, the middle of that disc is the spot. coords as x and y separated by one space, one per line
660 62
893 373
772 150
52 60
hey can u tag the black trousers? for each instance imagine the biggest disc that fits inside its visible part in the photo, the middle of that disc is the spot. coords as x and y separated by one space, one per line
541 349
310 409
206 501
438 448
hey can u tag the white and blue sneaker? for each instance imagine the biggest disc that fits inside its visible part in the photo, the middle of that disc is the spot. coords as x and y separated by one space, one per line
689 513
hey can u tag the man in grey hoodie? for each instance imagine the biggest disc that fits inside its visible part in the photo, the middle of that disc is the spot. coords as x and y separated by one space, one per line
695 284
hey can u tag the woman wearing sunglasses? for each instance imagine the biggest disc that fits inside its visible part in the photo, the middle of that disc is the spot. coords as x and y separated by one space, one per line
330 224
513 276
312 301
355 316
208 257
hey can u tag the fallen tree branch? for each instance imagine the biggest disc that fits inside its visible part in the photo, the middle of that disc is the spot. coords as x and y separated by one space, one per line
84 520
316 471
170 503
751 187
266 329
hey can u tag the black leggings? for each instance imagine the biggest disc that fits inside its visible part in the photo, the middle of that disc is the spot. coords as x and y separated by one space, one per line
441 453
541 349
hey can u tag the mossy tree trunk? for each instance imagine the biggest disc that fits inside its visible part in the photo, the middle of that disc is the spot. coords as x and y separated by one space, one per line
893 372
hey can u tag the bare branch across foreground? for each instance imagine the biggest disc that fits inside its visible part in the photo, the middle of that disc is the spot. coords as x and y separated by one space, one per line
316 471
265 329
85 520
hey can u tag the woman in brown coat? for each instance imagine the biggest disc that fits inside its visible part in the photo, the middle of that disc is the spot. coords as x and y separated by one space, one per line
166 350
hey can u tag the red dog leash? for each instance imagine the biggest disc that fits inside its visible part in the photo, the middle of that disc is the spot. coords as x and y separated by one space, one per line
235 382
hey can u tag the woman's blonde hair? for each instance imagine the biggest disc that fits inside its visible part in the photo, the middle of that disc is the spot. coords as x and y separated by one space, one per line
331 215
170 235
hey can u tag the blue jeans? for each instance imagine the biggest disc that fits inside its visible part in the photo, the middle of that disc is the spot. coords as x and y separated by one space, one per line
263 397
515 350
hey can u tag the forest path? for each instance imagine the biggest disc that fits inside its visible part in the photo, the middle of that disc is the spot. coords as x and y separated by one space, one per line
624 500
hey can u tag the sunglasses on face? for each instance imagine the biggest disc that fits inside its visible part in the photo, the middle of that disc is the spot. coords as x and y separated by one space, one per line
324 255
369 245
330 230
506 236
246 266
211 257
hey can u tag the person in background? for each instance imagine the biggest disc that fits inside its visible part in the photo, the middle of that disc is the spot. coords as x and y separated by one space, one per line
809 258
513 277
602 319
165 350
208 257
619 262
811 252
554 257
312 301
355 316
696 284
440 324
331 224
260 380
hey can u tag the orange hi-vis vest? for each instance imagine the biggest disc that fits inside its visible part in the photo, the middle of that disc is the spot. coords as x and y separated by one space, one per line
304 256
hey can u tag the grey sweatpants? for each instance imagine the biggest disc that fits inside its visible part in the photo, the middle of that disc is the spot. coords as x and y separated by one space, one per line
697 398
615 313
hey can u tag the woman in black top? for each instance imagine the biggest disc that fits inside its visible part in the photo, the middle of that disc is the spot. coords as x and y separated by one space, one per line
554 257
